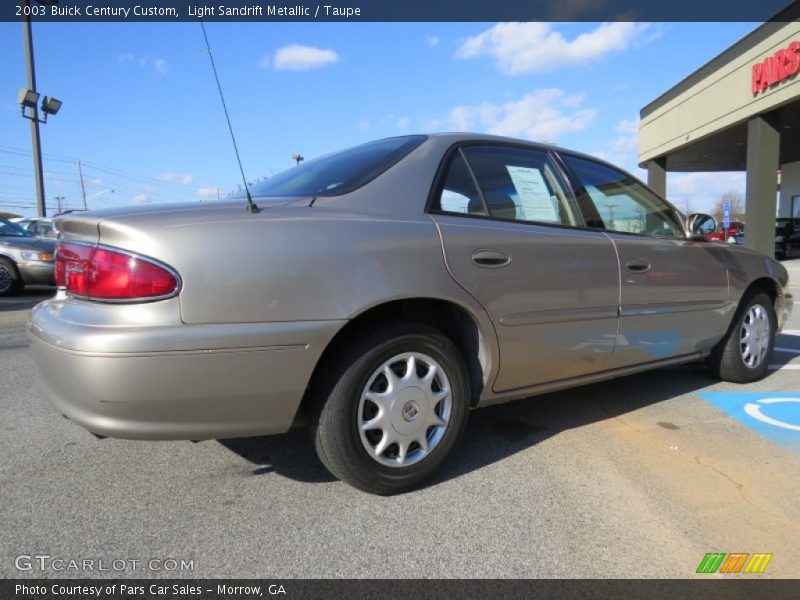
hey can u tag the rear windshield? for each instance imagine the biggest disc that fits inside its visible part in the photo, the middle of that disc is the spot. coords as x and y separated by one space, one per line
340 172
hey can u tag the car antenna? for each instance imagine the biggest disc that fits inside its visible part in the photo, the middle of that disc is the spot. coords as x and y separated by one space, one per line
251 206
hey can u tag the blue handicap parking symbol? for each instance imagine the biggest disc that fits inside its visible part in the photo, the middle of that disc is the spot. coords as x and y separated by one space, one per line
775 415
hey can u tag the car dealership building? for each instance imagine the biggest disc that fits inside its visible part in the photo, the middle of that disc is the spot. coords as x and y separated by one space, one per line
740 111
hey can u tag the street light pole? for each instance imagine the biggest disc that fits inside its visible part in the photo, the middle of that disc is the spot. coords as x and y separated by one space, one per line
27 35
83 186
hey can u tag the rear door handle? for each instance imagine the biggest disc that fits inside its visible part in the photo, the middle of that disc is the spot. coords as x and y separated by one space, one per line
638 265
490 259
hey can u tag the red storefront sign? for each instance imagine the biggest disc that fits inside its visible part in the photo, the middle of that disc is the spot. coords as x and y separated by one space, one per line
776 68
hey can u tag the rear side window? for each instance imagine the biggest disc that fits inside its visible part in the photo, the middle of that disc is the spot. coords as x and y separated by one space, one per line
459 194
622 203
520 184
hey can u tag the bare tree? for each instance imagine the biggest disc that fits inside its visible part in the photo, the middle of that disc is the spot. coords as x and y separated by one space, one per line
737 206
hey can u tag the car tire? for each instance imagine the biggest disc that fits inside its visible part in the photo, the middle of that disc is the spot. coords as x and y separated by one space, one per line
426 407
10 281
787 250
743 355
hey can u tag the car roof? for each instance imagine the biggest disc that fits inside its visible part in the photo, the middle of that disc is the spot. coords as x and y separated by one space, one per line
460 136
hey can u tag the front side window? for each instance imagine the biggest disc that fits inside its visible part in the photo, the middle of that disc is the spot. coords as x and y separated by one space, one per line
622 203
520 184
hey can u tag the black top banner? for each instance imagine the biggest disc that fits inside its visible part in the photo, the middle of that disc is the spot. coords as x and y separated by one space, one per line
400 10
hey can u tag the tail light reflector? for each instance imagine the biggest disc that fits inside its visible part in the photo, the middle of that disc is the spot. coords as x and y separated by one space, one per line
100 273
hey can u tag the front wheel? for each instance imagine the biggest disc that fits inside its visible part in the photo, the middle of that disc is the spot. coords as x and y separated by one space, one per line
10 281
394 410
744 353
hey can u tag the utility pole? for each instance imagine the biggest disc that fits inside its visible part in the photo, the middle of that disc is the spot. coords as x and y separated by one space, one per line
59 199
27 35
83 187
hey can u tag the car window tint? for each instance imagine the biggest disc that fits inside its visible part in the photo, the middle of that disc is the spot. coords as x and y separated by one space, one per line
7 228
520 184
623 204
340 172
458 193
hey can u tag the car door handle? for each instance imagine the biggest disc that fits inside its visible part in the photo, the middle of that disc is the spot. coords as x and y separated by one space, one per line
490 259
638 265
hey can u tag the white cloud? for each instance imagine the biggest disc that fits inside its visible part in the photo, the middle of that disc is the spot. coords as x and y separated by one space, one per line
629 126
715 184
160 65
208 192
182 178
540 115
431 40
403 123
628 141
622 149
699 191
537 48
303 58
141 199
363 125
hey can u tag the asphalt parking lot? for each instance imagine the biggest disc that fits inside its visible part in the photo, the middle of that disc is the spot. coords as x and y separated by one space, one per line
638 477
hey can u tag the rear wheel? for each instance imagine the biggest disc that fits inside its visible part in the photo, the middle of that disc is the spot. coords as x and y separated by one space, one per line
743 354
10 280
394 410
787 250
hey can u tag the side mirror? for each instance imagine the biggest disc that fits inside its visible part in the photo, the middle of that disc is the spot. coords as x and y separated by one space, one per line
700 224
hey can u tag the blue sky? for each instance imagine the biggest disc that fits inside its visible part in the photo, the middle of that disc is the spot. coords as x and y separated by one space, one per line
141 107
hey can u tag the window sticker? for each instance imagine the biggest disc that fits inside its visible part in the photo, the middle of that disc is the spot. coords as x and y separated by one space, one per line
534 202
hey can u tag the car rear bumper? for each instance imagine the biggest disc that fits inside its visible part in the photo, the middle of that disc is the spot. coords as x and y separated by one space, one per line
217 390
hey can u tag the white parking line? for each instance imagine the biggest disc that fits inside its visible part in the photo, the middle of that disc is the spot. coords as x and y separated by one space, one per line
790 332
786 367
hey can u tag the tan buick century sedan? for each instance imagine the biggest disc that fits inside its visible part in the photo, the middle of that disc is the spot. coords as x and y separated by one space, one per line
381 292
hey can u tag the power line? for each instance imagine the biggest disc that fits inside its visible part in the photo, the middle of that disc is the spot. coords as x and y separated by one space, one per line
94 165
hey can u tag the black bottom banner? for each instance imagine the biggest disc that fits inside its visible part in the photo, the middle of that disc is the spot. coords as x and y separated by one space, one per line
458 589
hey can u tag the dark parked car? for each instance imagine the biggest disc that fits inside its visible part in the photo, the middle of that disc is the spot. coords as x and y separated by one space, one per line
787 237
24 259
382 292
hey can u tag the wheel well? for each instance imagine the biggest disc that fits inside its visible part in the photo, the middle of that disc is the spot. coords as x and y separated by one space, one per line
12 261
449 318
766 285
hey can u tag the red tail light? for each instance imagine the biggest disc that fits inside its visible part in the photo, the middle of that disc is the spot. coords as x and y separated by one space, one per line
100 273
